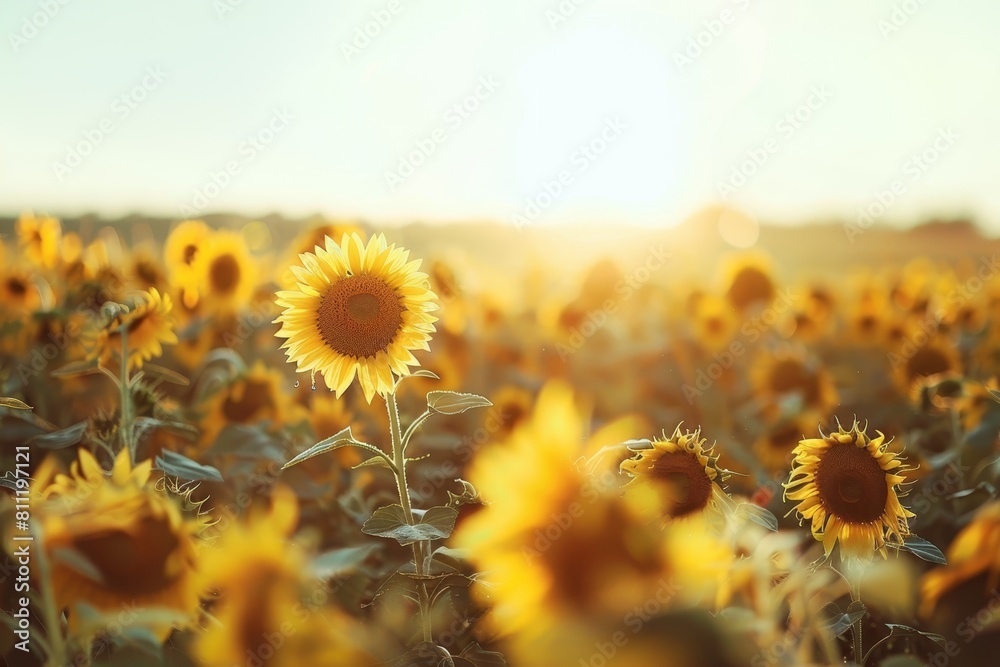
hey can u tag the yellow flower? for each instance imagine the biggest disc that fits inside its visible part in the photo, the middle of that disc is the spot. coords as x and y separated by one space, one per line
137 544
267 611
681 472
255 397
787 374
775 446
846 485
749 282
149 325
223 272
715 322
357 310
18 291
39 238
180 251
974 552
556 541
308 241
911 362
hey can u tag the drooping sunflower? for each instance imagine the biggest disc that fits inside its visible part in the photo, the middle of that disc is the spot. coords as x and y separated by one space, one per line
149 325
39 239
682 471
224 272
357 310
847 485
180 251
138 543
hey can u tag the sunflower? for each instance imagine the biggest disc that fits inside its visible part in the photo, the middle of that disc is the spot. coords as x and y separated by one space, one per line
267 611
137 545
715 322
775 445
180 251
788 375
18 291
357 310
223 272
911 362
255 397
975 552
145 271
683 472
558 542
148 324
749 282
39 238
846 485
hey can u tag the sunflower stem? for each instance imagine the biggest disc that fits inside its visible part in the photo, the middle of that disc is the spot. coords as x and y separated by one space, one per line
125 429
399 459
858 652
50 612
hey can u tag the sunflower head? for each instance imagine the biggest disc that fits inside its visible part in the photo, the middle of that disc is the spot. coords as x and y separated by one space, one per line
715 322
148 325
911 362
252 398
749 282
39 238
357 310
788 374
683 472
223 272
137 540
847 486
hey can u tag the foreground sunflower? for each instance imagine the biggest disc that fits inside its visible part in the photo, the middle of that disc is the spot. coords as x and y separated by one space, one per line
357 310
846 484
139 547
148 325
682 471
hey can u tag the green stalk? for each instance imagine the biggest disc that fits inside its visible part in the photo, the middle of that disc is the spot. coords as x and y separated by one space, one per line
856 631
399 460
125 429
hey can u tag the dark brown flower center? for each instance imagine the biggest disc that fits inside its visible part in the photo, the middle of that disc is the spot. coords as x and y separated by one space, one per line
851 484
359 316
257 397
132 562
927 361
790 375
687 488
189 252
17 287
749 286
224 273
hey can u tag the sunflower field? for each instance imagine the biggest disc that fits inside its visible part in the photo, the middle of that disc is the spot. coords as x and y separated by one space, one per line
262 443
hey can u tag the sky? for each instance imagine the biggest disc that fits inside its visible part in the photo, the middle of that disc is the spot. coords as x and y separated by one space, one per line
524 111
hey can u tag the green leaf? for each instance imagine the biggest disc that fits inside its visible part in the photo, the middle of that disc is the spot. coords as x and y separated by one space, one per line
340 561
923 549
13 403
390 521
454 558
468 496
837 622
373 462
180 466
166 374
246 441
638 444
758 515
453 402
995 394
903 630
61 439
75 368
343 439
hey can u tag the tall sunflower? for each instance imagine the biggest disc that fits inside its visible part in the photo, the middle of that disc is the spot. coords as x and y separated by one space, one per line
847 486
681 470
357 310
149 325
